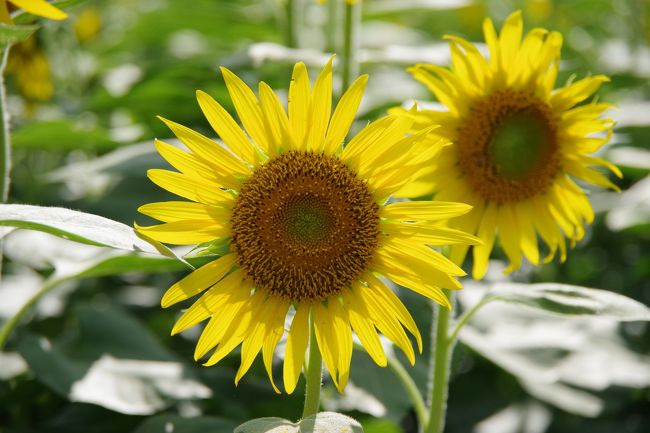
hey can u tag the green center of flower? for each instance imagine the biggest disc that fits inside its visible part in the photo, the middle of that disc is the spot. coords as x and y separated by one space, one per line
304 226
517 145
507 147
307 220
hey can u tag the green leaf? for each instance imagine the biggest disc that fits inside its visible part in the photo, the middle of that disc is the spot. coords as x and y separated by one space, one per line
323 422
268 425
177 424
11 34
111 360
76 226
569 300
61 135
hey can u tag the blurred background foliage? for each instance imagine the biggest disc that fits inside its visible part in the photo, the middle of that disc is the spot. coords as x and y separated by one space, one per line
95 354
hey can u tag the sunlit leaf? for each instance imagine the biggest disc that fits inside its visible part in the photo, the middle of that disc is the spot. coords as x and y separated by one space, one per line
74 225
323 422
572 300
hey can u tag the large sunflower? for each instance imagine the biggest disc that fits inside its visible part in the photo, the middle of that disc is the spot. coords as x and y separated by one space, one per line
518 144
305 225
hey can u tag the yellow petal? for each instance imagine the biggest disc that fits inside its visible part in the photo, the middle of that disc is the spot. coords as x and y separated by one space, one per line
187 232
186 163
387 324
365 330
422 255
510 39
321 108
230 307
238 329
344 115
487 233
509 236
192 188
170 211
248 108
343 334
429 235
415 211
209 151
299 104
198 281
40 8
229 290
327 341
274 332
568 96
224 125
394 306
265 317
297 340
276 120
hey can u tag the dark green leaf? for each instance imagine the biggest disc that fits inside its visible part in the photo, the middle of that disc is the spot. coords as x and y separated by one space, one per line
177 424
60 135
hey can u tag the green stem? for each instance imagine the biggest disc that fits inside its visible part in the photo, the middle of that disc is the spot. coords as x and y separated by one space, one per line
332 21
314 374
291 11
442 356
350 43
5 143
464 318
411 389
15 319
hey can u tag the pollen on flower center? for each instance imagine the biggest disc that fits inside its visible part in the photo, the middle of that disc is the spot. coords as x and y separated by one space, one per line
304 226
508 147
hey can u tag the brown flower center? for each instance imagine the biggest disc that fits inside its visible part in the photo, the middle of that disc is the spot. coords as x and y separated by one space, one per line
508 148
304 226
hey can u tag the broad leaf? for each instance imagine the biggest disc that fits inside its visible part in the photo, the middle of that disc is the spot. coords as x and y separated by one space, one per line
323 422
74 225
111 361
572 300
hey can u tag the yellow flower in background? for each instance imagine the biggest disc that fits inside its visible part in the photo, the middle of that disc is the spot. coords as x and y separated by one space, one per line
28 64
518 143
36 7
306 226
88 24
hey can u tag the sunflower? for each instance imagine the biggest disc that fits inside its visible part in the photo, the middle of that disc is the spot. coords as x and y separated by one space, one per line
36 7
27 62
305 224
518 144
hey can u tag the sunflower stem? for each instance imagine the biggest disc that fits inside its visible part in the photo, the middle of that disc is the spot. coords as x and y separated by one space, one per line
314 374
443 349
411 389
16 318
464 318
350 43
332 21
5 139
291 9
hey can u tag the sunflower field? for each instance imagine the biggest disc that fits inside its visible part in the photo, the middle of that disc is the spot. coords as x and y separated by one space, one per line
284 216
